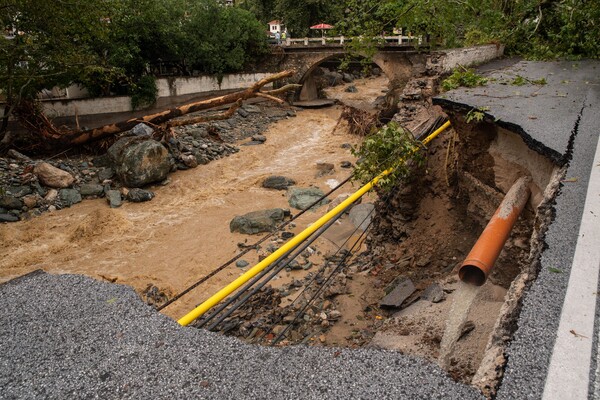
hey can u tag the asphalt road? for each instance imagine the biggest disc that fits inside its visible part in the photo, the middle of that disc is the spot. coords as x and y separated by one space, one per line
561 120
73 337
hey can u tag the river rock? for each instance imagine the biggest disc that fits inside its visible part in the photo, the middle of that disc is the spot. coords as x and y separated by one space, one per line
137 195
105 173
113 197
142 129
12 153
91 189
68 197
53 177
278 182
252 109
10 203
241 263
400 293
302 198
51 196
19 191
259 138
338 200
324 168
258 221
8 218
434 293
351 89
30 201
139 163
361 215
189 160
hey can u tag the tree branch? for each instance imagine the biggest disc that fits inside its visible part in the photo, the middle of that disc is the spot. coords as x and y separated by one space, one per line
82 137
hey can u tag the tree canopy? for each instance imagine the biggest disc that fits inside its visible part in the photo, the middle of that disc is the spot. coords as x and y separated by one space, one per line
109 46
534 28
115 46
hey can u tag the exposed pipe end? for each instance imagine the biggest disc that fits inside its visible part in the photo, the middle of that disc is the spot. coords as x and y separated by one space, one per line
472 274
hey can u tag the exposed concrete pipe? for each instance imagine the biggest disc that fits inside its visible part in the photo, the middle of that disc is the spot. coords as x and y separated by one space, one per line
479 262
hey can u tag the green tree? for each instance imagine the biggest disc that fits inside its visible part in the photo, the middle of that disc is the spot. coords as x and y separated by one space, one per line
222 39
299 16
47 44
263 10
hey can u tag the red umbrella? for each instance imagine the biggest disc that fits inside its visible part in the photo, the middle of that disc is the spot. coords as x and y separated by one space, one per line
322 26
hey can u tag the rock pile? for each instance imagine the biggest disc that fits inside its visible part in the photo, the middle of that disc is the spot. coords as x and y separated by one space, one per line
30 187
266 314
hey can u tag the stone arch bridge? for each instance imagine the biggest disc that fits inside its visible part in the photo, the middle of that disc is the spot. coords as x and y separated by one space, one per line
398 63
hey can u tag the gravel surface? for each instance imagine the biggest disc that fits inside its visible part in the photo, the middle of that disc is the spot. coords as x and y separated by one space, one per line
69 336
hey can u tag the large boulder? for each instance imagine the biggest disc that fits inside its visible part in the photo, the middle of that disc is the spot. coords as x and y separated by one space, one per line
53 177
68 197
10 203
139 162
258 221
361 215
302 198
136 195
278 182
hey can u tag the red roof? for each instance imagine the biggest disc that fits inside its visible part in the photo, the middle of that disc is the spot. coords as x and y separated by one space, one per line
275 22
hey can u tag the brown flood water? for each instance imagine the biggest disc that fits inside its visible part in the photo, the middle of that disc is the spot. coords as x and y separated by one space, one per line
183 233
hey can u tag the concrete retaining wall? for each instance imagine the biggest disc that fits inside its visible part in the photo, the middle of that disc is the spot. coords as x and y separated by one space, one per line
452 58
167 88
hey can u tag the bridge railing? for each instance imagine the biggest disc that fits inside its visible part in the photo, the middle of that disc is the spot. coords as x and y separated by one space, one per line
340 40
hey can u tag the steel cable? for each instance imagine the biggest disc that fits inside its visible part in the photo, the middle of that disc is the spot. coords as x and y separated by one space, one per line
275 268
249 248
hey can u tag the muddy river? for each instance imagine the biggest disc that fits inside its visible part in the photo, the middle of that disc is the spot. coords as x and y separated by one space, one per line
183 233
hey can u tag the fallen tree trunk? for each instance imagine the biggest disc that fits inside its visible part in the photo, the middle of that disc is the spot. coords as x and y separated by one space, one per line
160 119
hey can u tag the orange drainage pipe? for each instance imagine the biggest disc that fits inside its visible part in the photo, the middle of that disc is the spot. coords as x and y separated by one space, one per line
479 262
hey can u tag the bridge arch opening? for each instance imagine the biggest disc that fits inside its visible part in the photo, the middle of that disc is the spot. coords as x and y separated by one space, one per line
328 72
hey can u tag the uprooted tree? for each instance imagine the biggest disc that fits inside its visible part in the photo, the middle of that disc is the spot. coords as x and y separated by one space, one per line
116 47
39 124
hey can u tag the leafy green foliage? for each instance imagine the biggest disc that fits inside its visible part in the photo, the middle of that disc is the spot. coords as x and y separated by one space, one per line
299 16
51 45
521 80
463 77
392 147
113 46
222 39
476 114
144 92
536 29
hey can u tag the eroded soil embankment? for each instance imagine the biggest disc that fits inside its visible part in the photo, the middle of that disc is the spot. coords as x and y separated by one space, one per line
422 234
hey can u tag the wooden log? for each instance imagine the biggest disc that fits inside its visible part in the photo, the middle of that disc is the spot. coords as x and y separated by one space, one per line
82 137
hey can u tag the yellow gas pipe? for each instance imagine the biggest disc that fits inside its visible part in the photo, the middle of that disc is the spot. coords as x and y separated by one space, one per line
227 290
